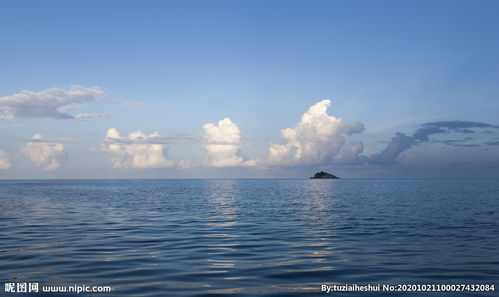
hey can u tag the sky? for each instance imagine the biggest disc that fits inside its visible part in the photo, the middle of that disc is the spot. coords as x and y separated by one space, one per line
249 89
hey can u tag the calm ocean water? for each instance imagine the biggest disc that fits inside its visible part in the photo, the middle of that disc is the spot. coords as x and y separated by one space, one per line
248 237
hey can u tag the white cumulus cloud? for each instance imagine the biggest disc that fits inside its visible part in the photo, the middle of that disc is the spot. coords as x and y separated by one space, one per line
4 162
55 103
222 144
184 164
316 139
137 150
44 154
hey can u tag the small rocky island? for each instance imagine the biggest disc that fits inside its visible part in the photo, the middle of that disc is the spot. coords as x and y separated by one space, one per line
323 174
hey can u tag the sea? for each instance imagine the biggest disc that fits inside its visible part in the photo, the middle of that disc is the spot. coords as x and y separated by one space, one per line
249 237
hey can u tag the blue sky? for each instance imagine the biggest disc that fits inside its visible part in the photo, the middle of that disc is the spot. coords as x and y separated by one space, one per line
172 67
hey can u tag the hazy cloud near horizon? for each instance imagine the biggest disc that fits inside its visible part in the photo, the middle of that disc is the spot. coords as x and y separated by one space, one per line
45 155
4 161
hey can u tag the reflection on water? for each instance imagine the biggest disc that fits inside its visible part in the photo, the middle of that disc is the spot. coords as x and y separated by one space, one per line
247 237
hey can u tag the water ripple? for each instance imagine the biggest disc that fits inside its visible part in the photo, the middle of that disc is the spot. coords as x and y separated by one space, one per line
247 237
